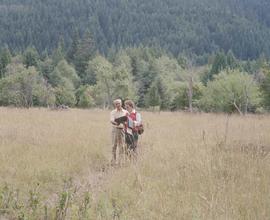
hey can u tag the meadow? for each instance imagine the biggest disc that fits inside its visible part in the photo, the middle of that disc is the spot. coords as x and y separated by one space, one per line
55 165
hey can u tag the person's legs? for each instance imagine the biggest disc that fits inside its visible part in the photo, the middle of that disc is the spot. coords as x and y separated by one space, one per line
114 147
135 142
129 141
121 145
136 137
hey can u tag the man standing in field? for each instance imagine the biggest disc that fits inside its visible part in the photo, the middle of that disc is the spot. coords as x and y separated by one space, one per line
118 132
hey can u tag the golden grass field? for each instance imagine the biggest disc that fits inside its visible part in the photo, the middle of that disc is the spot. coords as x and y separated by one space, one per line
54 165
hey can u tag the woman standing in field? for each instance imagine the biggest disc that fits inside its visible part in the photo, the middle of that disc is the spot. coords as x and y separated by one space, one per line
134 126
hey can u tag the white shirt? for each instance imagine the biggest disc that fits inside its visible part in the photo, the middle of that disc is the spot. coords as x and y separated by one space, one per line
117 114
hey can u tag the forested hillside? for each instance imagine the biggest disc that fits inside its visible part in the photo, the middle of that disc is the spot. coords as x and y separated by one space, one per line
180 26
191 55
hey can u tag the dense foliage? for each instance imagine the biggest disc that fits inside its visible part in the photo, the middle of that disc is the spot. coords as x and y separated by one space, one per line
167 55
179 26
151 77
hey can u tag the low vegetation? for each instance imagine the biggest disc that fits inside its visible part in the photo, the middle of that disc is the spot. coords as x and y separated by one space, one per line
54 165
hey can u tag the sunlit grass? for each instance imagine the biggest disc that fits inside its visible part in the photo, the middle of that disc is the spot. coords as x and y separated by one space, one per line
190 166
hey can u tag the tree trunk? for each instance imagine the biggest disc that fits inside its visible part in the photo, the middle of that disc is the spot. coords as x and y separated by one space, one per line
190 93
238 109
246 101
109 96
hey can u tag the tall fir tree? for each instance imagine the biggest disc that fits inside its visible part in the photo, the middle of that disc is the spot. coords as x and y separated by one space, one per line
5 59
30 57
85 52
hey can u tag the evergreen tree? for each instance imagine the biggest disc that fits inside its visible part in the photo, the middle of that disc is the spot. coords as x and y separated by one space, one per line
5 59
220 63
232 62
30 57
85 52
59 53
153 97
71 54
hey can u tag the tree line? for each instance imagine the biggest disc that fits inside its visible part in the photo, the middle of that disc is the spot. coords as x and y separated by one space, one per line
82 77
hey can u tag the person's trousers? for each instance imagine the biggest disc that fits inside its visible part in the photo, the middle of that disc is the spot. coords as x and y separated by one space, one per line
118 140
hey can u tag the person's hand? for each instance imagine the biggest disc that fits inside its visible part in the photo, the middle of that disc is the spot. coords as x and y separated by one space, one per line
120 126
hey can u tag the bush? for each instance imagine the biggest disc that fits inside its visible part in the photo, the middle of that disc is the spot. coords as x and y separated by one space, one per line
84 97
231 91
25 88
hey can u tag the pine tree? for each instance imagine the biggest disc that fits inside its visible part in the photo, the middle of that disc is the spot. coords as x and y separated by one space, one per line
30 57
86 51
5 59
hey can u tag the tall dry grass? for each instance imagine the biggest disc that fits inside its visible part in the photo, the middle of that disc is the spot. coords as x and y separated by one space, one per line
53 165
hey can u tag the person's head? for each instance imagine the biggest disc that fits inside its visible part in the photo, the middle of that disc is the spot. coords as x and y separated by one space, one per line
117 103
129 105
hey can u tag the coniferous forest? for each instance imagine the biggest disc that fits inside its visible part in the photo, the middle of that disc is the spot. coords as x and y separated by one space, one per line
176 54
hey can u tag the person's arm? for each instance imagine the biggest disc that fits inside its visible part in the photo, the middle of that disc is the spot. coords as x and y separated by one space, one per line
112 119
138 119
